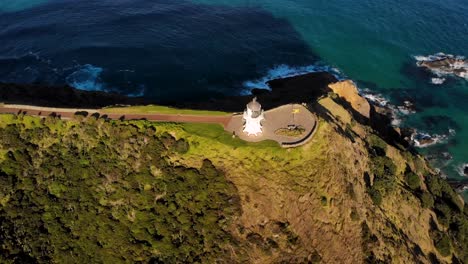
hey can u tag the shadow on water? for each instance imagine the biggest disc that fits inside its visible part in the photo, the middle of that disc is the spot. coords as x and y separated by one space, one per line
168 49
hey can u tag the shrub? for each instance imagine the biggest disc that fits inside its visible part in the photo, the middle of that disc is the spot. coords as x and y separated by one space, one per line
378 145
323 201
354 215
413 180
181 146
443 245
81 114
376 196
383 167
426 200
443 191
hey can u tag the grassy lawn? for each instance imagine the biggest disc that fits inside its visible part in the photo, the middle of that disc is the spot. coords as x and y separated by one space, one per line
157 109
217 132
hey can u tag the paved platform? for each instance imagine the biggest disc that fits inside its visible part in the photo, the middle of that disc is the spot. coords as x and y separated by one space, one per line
280 117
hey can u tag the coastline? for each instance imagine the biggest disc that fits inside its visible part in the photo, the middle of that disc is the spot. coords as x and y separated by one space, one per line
282 91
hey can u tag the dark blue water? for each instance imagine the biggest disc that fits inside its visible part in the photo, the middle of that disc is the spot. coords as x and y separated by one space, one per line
196 49
160 49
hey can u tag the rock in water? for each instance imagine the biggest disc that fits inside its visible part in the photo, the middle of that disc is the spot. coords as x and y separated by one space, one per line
465 170
444 65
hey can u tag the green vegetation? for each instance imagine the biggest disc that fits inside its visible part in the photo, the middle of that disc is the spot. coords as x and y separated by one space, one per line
452 214
442 243
157 109
384 171
100 191
214 132
412 180
426 200
93 190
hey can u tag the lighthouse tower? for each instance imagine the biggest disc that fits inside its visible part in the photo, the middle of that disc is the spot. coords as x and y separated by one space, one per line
253 116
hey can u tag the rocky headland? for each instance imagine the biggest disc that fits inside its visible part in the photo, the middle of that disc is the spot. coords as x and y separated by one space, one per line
184 192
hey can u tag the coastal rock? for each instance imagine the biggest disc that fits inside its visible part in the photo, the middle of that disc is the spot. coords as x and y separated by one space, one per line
443 65
426 141
459 186
465 170
423 139
349 92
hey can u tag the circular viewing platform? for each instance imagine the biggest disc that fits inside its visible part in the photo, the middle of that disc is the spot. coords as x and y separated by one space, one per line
290 125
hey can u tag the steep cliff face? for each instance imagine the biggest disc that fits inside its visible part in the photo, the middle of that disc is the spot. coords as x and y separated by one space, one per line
193 193
349 92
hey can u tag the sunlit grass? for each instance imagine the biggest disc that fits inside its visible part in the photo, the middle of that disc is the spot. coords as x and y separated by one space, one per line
157 109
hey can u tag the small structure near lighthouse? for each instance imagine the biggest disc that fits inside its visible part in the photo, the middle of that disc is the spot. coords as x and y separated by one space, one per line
253 117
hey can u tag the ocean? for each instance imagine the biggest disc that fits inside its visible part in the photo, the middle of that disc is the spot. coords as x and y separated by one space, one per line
170 50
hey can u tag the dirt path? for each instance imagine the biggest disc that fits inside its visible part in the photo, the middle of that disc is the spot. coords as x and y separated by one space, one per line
69 114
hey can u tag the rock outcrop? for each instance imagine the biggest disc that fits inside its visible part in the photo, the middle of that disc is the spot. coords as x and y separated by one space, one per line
442 64
349 92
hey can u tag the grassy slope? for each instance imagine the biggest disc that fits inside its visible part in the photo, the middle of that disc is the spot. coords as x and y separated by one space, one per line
157 109
313 202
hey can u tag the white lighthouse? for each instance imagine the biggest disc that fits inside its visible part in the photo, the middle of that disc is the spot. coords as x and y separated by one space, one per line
253 117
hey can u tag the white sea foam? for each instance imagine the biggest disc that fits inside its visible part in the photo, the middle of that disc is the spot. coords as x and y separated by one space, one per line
375 98
418 138
87 77
461 169
283 71
437 80
453 65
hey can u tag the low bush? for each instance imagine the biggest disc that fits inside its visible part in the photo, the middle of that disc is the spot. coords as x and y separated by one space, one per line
442 245
412 180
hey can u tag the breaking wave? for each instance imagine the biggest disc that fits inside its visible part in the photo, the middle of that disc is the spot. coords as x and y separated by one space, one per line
87 77
397 112
283 71
422 139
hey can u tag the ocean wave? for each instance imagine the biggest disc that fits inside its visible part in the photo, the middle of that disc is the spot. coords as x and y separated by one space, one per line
438 80
397 112
86 77
283 71
374 98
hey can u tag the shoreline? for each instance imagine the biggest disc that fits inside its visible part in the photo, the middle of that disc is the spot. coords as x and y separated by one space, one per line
295 89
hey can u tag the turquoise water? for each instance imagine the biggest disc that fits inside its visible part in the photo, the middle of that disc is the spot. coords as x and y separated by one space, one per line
374 41
180 50
17 5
